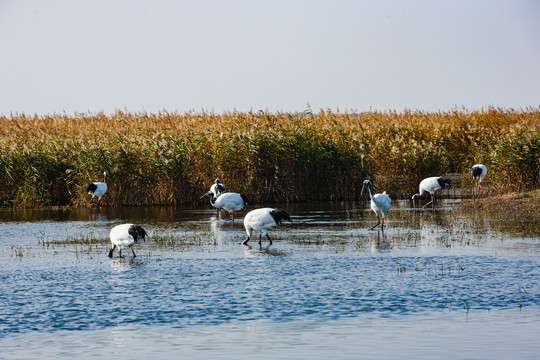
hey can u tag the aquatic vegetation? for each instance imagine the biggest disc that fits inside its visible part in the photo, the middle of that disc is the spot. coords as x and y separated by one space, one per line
168 158
17 251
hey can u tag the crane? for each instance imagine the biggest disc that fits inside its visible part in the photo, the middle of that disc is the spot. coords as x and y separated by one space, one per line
98 188
380 203
125 236
431 185
261 220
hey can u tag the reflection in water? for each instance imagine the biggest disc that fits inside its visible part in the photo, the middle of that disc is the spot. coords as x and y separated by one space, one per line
262 250
380 243
120 265
221 231
97 217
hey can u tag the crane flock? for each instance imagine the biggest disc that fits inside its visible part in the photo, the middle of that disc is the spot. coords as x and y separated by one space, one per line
259 221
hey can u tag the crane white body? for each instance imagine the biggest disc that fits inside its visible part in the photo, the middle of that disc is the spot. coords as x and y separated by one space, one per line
380 203
98 189
478 173
431 185
229 201
261 220
125 236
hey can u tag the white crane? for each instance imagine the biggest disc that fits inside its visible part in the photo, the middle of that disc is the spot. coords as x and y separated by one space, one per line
380 203
229 201
125 236
98 188
217 188
431 185
478 173
261 220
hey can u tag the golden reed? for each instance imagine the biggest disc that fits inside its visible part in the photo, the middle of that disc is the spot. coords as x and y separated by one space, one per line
172 159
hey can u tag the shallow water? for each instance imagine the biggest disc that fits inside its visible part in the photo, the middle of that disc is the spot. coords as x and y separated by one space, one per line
452 282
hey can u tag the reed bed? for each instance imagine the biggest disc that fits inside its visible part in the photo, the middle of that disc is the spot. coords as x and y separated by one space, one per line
172 159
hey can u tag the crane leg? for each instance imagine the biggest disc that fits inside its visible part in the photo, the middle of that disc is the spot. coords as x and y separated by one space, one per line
268 237
111 251
377 224
119 253
431 202
133 251
246 241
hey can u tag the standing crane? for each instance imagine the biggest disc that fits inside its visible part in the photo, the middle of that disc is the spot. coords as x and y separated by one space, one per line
478 173
380 203
98 188
229 201
217 188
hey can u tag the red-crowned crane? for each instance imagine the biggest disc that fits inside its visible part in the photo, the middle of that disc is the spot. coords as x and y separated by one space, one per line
125 236
431 185
478 173
217 189
98 188
260 220
380 203
229 201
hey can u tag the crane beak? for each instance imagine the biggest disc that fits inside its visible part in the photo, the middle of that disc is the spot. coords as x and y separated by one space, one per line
205 195
362 192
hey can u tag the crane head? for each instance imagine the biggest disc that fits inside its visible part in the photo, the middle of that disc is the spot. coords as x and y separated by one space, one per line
368 184
137 232
444 181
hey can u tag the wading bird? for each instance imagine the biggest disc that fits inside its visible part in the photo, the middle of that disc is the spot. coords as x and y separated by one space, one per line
431 185
98 188
380 203
478 173
229 201
263 219
125 236
217 188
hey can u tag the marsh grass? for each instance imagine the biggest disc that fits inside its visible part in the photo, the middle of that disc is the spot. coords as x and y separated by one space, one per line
171 159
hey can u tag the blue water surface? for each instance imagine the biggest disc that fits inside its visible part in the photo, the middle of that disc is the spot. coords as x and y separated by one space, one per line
433 265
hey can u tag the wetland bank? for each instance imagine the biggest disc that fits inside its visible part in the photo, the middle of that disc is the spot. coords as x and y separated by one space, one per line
461 281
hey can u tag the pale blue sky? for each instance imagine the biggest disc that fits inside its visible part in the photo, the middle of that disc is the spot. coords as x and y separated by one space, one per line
90 56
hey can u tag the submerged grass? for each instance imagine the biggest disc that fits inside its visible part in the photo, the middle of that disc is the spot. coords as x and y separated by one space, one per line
171 158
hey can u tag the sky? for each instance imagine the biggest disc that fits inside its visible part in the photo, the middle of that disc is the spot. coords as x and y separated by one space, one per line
74 56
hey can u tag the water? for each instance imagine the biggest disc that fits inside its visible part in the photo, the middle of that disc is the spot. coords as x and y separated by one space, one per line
461 283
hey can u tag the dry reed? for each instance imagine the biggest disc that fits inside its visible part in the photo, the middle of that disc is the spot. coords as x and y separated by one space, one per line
172 159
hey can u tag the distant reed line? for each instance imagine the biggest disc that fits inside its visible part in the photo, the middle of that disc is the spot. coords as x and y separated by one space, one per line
172 159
